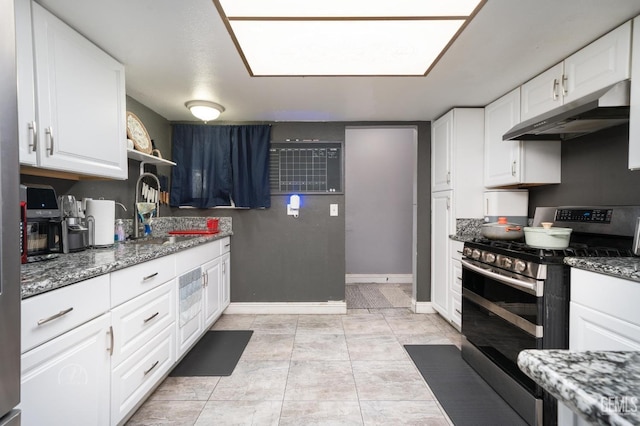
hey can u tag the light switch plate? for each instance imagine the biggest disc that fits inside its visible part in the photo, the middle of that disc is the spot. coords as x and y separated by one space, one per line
333 210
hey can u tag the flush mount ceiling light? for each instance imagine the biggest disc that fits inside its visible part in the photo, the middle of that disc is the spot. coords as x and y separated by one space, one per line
344 37
205 110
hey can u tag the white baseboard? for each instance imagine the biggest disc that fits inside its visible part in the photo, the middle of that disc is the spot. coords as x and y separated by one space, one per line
378 278
302 308
423 308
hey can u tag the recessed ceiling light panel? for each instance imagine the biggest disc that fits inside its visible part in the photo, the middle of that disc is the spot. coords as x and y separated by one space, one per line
347 8
344 38
342 47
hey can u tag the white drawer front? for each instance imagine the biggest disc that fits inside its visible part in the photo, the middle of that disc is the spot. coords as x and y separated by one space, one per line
456 249
51 314
133 378
225 245
456 311
130 282
196 256
456 278
616 296
137 321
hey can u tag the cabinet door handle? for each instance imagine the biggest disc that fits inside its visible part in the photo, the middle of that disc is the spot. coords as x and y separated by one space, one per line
151 317
459 311
34 136
148 277
224 268
111 338
448 203
565 85
513 168
227 245
554 89
56 316
151 368
49 131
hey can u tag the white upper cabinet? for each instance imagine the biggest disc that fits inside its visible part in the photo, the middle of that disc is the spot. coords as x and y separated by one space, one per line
441 147
514 163
79 100
456 159
602 63
27 132
634 113
542 94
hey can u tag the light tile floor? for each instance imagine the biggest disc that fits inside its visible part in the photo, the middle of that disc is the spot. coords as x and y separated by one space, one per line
313 369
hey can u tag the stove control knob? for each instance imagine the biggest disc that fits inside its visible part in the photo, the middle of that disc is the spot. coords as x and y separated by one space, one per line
521 266
467 251
475 254
490 257
507 262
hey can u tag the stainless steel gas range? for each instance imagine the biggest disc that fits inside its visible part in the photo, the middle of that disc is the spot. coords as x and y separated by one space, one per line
516 297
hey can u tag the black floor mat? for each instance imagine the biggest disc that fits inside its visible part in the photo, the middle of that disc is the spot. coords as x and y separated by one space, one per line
216 354
465 396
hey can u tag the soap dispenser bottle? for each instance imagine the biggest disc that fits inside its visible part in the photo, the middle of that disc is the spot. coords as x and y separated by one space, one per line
119 232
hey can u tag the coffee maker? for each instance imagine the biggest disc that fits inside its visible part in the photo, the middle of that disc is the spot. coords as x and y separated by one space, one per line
42 223
75 234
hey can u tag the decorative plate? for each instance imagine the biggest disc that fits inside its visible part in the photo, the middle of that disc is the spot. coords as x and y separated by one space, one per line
138 134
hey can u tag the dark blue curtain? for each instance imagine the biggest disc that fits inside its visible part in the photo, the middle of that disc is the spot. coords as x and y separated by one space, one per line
218 163
250 165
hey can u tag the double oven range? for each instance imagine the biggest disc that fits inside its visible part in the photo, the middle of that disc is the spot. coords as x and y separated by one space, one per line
516 297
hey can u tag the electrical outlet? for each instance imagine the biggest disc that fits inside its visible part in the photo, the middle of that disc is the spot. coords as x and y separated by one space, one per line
333 210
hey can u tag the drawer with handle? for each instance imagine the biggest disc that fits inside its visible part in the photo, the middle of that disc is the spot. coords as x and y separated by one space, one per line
186 260
137 321
51 314
131 282
138 374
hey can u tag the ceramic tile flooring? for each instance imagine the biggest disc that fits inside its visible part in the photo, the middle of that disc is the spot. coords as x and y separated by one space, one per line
312 369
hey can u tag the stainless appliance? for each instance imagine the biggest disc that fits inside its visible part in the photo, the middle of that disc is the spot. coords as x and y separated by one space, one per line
75 234
516 297
9 238
44 221
605 108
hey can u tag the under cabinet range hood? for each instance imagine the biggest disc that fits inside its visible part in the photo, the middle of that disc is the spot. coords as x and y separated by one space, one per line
605 108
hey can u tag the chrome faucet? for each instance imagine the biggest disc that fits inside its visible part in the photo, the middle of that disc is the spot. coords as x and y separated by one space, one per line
136 229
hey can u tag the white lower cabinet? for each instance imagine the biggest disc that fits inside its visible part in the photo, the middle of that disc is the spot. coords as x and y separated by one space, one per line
603 316
455 284
212 291
634 104
140 373
203 292
65 381
226 280
441 227
137 321
93 351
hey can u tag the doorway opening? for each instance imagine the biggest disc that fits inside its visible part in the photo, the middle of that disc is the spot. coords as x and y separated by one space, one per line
380 216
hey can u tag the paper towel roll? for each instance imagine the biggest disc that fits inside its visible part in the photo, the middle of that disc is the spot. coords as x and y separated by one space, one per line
104 215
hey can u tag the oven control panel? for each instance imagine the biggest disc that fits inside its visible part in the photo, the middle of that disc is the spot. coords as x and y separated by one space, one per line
584 215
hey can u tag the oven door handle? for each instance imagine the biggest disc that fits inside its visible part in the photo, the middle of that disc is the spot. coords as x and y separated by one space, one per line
510 317
531 288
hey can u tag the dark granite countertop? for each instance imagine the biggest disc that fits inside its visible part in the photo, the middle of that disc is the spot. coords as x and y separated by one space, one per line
602 386
622 267
40 277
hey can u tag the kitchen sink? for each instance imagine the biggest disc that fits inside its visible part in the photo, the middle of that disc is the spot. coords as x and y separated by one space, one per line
171 239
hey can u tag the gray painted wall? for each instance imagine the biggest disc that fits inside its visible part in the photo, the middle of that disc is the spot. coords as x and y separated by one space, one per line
276 257
379 180
594 171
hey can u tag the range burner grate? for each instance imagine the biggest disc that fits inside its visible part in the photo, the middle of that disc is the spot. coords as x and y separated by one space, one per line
574 249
